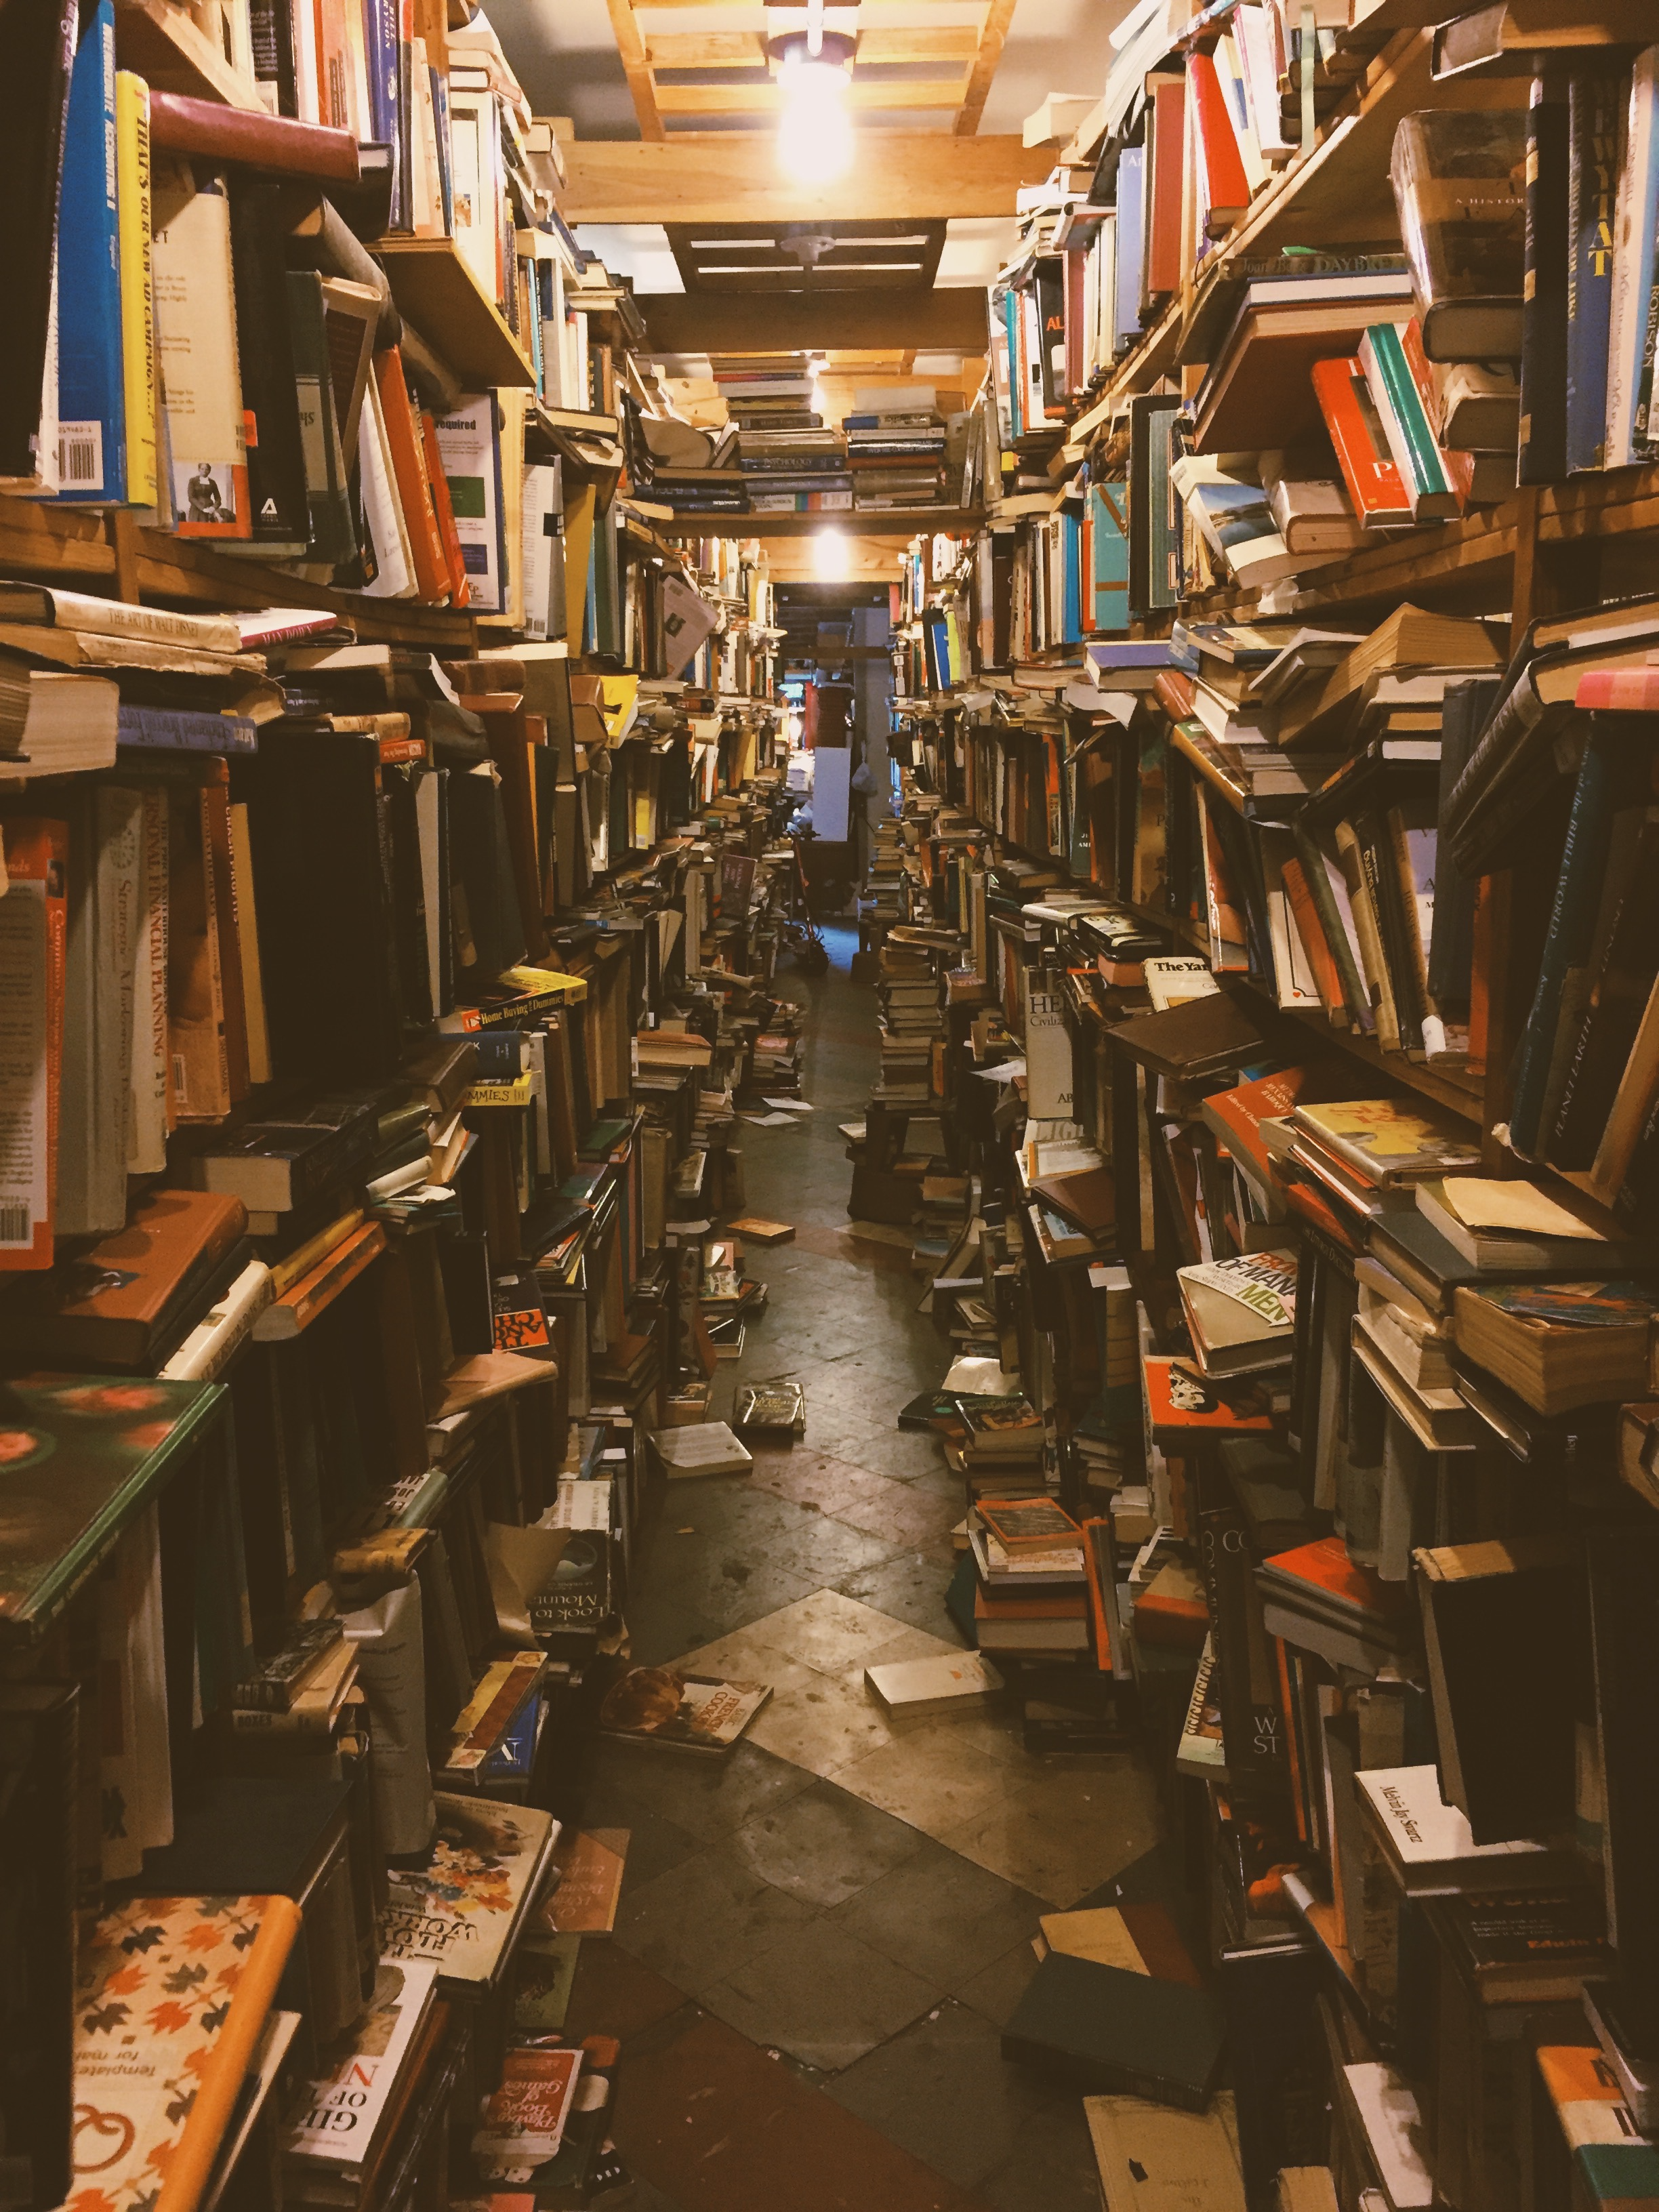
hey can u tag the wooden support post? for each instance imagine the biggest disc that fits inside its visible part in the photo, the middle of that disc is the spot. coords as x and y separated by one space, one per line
124 541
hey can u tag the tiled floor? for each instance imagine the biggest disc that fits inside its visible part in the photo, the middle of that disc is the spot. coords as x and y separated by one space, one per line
822 1935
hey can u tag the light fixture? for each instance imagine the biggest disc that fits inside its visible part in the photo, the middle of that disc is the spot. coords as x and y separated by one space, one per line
815 74
832 556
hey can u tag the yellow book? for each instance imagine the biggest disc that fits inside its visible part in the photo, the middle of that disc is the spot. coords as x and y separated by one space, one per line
137 294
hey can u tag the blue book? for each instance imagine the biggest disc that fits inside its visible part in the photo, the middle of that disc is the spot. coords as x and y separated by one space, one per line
514 1755
1131 246
179 730
91 389
1109 558
1592 191
1071 609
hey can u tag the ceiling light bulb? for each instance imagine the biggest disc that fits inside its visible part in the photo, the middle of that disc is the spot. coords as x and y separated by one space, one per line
815 132
831 557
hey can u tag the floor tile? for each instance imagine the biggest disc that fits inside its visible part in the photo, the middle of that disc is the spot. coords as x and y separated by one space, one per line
821 1725
935 1783
824 1845
820 1993
943 2089
694 1924
996 1990
1058 1839
1051 2167
942 1916
706 1797
911 1586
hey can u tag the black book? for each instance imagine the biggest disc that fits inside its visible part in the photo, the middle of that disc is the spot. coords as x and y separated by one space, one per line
270 27
1542 458
333 537
1451 944
1102 2028
39 1787
1624 1577
482 864
569 1613
37 52
1252 1722
275 458
1506 1693
326 927
1382 880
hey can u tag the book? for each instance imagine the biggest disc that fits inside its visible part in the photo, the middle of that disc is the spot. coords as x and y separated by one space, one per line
1542 452
705 1448
1428 1846
128 1301
1146 2151
174 1990
524 2119
1378 496
1028 1525
196 347
1383 1142
462 1911
1558 1345
688 1712
344 2112
1240 1312
583 1898
1106 2029
91 400
37 59
953 1682
1182 1404
1456 176
282 1674
38 1805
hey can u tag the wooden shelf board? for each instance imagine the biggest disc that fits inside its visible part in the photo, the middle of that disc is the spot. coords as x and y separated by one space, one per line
164 44
432 285
900 522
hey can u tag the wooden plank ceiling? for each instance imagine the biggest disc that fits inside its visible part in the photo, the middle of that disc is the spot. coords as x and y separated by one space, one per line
929 62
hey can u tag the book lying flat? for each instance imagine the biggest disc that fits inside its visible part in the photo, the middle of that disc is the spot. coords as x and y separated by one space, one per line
1429 1846
1106 2029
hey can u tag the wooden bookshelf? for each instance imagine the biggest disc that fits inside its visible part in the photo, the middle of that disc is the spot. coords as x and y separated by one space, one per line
432 285
896 522
165 45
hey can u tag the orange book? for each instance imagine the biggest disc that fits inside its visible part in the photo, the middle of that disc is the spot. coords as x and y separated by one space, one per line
1171 1611
1102 1589
403 438
1168 130
460 591
1362 449
1305 914
215 829
1225 189
33 939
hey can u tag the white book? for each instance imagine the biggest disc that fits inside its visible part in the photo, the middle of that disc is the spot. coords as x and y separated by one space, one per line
1394 2134
541 497
469 446
383 509
335 2122
1432 1841
945 1682
224 1328
703 1448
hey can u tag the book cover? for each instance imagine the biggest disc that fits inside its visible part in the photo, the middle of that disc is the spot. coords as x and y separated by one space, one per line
1361 442
460 1912
132 197
342 2109
1183 1405
174 1993
583 1899
121 1301
1542 454
34 946
1592 188
91 381
692 1712
196 345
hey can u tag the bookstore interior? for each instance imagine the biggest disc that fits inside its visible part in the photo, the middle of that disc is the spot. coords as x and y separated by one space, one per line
830 1141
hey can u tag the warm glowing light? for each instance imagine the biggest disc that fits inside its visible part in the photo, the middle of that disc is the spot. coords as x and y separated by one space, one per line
832 556
815 132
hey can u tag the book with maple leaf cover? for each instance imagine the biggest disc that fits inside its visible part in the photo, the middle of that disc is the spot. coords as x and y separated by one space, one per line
463 1909
172 1993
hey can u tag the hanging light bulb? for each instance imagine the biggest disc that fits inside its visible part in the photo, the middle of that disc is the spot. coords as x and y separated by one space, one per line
815 132
832 555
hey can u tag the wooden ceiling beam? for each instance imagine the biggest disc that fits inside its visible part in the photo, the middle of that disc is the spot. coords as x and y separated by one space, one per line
951 321
746 50
998 17
726 177
766 99
631 45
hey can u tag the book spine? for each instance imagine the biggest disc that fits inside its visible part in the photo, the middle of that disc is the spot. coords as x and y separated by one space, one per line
1356 996
1405 421
1634 244
1542 457
1592 173
137 294
1374 483
1572 919
1380 992
166 729
91 378
1304 916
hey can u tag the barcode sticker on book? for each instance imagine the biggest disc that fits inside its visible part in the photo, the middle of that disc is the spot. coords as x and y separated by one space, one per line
16 1226
81 456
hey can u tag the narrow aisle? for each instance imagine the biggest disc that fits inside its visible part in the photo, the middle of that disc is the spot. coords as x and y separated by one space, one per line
823 1934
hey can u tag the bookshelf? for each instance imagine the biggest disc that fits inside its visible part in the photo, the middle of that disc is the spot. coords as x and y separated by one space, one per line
435 287
165 44
893 522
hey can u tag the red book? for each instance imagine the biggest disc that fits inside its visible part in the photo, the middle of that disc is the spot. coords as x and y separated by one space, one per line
1323 1573
1362 450
179 125
1237 1115
1305 914
1621 690
34 936
1168 134
1224 189
1183 1406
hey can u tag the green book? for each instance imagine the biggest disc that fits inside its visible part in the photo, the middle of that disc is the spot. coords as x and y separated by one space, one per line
1411 443
82 1454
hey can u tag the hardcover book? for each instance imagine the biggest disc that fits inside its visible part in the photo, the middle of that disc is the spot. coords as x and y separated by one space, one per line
462 1911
